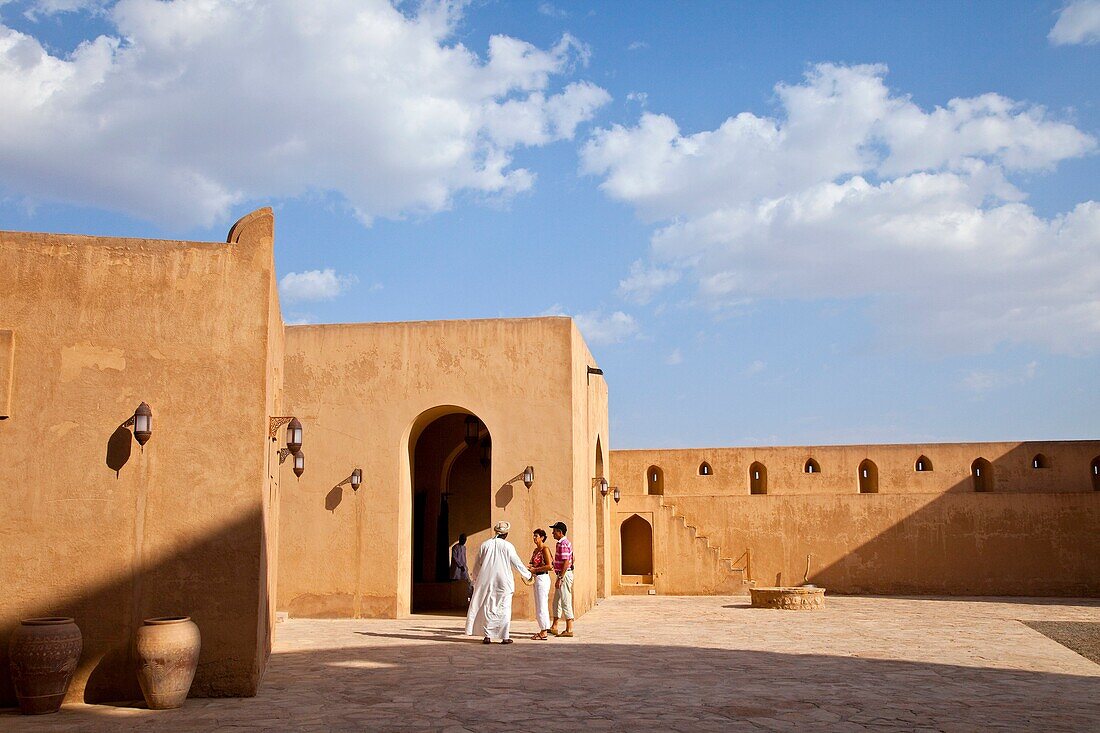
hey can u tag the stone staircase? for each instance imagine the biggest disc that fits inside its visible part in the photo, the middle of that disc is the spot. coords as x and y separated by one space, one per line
730 574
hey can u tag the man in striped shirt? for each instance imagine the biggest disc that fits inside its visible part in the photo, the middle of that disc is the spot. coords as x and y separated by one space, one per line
563 587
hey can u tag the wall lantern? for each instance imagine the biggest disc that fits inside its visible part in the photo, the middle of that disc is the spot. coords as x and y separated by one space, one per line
601 483
616 494
143 424
528 476
473 429
299 463
293 433
355 480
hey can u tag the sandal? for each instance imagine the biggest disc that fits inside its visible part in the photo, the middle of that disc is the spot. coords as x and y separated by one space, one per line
539 637
553 632
506 641
486 640
566 634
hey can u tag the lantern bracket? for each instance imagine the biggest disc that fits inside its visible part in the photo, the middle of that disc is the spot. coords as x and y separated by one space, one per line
273 425
283 453
351 480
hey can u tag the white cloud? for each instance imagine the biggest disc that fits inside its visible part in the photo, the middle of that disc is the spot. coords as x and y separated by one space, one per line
46 8
1078 22
637 46
640 97
194 107
599 328
854 191
987 380
551 11
645 282
674 358
315 285
755 367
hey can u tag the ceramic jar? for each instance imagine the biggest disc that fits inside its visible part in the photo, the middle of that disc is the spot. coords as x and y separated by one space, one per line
43 655
168 653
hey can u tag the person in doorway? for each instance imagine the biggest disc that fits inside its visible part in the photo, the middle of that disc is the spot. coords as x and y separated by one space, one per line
490 612
542 562
563 585
459 569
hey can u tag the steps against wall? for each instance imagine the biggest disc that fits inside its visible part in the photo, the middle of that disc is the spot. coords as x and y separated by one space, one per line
724 573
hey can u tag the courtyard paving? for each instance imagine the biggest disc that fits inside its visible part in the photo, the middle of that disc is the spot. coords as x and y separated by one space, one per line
664 664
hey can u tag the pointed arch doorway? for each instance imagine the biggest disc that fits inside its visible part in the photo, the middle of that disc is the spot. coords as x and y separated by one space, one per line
450 467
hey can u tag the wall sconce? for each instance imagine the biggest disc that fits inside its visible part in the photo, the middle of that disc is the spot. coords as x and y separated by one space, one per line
473 429
600 483
293 433
355 480
143 424
616 494
528 476
299 463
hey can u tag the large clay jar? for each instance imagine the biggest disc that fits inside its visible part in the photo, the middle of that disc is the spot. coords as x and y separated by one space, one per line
168 653
43 655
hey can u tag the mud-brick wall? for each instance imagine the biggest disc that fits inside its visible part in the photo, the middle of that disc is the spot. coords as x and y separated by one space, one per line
92 526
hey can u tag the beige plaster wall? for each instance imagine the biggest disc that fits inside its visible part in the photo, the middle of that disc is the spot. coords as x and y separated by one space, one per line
1038 533
101 324
365 391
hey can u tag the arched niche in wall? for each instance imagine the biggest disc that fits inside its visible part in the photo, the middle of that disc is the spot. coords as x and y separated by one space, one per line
636 543
923 464
655 481
1040 461
811 466
981 471
705 469
1094 471
868 477
758 478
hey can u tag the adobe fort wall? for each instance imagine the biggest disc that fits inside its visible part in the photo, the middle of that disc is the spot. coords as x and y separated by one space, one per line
93 526
1030 531
366 392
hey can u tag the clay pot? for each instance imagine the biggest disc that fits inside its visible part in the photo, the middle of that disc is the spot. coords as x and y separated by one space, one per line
43 655
168 653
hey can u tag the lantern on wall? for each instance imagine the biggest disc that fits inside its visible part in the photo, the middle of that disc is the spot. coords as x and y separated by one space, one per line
294 437
143 424
616 494
473 429
601 483
528 476
299 463
356 479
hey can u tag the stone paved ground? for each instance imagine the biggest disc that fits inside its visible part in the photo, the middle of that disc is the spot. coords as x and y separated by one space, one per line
664 664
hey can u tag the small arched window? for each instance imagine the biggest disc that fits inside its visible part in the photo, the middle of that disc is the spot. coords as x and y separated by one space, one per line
655 481
1094 471
868 477
705 469
1040 461
811 466
758 478
981 471
923 464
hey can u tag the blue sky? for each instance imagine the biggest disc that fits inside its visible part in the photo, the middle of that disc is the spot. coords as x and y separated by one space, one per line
775 223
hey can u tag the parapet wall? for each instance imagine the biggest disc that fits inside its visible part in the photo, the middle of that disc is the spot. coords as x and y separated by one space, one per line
1034 531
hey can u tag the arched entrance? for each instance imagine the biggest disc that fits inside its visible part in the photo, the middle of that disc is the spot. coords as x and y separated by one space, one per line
636 543
450 461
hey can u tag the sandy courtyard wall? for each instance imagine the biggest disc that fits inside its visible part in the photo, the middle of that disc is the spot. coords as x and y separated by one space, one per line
923 532
101 324
365 391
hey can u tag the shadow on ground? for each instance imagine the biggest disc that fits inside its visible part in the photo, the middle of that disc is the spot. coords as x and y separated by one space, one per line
385 683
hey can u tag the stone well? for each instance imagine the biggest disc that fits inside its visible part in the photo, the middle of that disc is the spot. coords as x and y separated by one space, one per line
788 599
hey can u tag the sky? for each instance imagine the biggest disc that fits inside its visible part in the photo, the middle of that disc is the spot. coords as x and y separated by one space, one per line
774 223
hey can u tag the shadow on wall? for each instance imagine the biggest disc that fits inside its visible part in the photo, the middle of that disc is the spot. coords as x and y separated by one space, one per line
119 448
976 540
333 498
714 688
212 579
